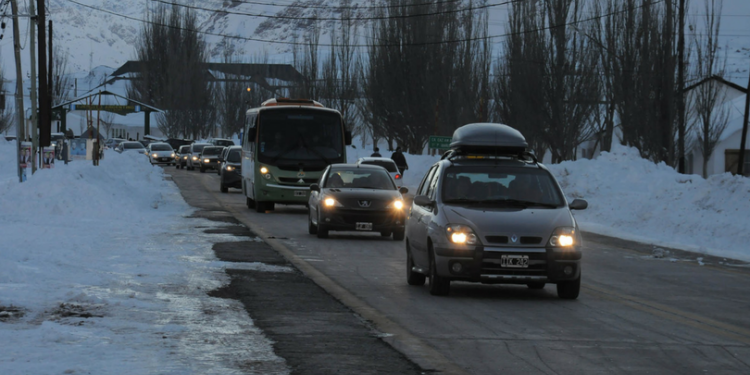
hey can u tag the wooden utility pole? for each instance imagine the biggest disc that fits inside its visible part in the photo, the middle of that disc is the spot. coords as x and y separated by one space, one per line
45 106
32 68
743 140
681 89
20 134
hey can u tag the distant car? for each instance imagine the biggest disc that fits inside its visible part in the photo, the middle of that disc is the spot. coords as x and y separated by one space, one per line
181 156
129 146
231 169
386 163
221 142
160 153
352 197
223 158
194 154
113 142
209 157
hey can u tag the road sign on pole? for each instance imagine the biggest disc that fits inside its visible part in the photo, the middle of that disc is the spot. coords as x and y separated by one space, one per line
438 142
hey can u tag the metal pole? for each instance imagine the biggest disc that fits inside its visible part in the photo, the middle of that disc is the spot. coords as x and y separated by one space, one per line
45 123
19 89
34 125
740 170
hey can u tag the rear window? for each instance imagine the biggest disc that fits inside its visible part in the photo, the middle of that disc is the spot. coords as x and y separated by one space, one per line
161 148
388 165
132 145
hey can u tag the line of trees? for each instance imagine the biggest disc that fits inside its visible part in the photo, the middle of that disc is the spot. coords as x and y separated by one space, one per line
567 72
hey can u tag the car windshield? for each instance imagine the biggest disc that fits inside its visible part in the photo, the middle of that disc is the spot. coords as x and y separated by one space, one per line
389 165
155 147
132 145
212 150
300 135
500 185
360 178
223 142
198 148
234 156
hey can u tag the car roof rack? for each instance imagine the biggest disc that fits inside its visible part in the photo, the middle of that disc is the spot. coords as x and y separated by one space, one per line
488 141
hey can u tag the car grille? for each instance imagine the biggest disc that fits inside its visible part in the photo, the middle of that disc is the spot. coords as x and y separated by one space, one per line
375 204
525 240
292 180
491 264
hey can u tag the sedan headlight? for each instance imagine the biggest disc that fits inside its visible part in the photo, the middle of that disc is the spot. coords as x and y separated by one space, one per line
461 234
154 156
398 204
185 157
173 155
230 168
330 202
195 158
563 237
206 160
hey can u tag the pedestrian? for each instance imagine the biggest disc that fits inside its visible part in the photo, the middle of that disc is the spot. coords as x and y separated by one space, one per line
376 153
400 160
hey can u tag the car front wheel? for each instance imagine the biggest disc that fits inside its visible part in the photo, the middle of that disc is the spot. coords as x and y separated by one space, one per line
412 278
311 228
569 289
439 286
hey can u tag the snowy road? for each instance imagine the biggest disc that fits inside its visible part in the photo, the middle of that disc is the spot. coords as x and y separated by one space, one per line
640 311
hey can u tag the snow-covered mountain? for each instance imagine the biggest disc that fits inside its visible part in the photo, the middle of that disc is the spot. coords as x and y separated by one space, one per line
103 32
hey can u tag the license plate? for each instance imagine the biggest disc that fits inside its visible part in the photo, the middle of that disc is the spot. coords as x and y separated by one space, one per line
364 226
514 261
300 193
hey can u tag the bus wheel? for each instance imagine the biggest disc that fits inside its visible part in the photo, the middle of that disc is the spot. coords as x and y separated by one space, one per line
260 207
250 203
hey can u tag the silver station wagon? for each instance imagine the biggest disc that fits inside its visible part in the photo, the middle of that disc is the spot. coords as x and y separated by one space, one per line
489 212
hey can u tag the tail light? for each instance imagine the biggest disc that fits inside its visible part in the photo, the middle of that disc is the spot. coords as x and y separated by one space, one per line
398 176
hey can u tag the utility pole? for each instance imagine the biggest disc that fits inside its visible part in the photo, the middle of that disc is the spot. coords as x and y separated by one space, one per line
19 89
681 88
740 170
45 107
32 52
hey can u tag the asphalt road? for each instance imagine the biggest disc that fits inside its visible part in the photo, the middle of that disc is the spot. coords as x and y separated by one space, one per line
641 310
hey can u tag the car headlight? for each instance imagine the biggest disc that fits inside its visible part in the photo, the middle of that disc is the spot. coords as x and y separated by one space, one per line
173 155
230 168
154 156
206 160
563 237
263 170
330 202
461 234
195 158
398 204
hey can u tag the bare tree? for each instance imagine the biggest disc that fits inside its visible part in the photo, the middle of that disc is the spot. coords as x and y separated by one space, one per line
61 82
709 115
108 121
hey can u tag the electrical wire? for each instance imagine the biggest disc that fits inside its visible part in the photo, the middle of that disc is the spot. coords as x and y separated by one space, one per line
342 7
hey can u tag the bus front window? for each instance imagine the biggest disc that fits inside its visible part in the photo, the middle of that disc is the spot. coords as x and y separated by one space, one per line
300 135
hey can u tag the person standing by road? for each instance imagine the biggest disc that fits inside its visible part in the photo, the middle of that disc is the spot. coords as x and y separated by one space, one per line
400 160
376 154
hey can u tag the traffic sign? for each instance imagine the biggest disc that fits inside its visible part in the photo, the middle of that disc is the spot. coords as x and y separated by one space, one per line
438 142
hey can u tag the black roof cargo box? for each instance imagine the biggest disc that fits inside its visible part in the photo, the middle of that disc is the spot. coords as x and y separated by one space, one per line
488 138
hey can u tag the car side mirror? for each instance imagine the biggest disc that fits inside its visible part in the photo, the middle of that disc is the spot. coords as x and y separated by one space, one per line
578 204
423 200
403 190
314 187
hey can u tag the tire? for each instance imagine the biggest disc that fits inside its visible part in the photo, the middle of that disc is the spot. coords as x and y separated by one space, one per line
412 278
322 230
223 188
438 286
535 286
177 166
260 207
203 170
569 289
250 203
398 235
311 228
385 233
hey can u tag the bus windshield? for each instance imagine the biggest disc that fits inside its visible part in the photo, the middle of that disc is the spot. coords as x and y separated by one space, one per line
304 135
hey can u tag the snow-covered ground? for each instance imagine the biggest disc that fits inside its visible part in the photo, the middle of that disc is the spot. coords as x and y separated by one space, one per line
115 242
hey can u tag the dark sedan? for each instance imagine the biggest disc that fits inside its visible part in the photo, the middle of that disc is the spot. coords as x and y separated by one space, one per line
231 172
209 158
352 197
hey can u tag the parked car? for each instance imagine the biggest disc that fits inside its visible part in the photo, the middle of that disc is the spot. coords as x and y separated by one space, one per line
113 142
194 154
386 163
181 156
352 197
130 146
221 142
489 212
160 153
209 157
231 169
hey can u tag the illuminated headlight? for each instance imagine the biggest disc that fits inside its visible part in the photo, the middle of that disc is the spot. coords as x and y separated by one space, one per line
263 170
461 234
195 158
206 160
185 157
173 155
154 156
329 202
563 237
230 168
397 204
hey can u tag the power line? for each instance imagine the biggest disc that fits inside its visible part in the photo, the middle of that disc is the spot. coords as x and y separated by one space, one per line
486 6
473 39
340 7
